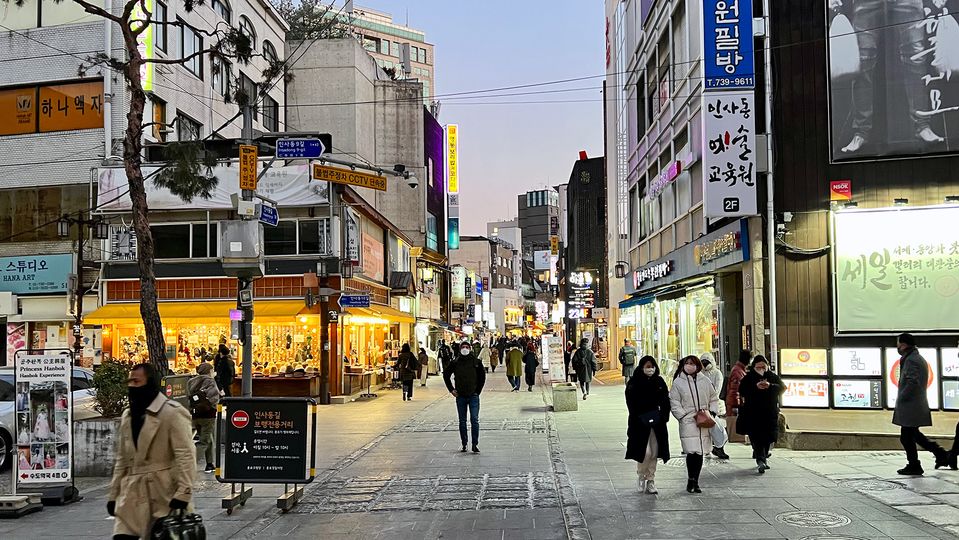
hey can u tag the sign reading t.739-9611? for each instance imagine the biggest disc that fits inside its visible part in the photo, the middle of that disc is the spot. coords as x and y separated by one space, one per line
349 177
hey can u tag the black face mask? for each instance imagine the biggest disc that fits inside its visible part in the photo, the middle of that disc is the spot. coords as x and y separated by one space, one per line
141 397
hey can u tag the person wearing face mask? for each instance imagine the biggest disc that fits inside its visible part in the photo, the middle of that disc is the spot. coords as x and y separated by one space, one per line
647 438
718 432
759 412
470 377
694 402
912 407
156 461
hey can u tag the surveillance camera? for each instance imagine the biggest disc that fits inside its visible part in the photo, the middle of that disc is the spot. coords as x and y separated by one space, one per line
412 182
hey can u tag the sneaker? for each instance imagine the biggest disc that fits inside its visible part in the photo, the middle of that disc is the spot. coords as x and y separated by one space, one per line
584 396
463 449
651 487
720 453
209 468
530 389
760 467
475 449
912 469
641 484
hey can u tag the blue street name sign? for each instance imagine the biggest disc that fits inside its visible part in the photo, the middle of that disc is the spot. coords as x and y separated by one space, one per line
354 300
269 215
299 148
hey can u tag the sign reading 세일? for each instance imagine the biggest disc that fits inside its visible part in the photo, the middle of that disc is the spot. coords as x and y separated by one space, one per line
44 405
248 167
268 440
324 173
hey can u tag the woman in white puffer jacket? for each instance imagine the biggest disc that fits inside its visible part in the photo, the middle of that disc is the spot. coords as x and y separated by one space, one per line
690 394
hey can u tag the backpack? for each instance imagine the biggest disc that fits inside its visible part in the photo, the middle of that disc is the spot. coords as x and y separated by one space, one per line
725 389
200 406
579 363
628 357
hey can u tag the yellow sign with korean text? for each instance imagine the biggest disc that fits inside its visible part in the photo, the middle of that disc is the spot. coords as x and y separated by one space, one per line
64 107
554 245
248 167
452 158
348 177
802 362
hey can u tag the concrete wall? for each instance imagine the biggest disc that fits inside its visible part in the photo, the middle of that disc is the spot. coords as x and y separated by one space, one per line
94 446
474 255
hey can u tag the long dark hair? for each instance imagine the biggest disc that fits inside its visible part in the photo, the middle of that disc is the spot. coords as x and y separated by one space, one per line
695 359
646 360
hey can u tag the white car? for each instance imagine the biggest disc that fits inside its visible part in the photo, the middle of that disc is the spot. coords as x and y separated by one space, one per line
82 407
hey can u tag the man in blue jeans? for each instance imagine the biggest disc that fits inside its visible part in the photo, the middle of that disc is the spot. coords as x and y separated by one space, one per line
469 376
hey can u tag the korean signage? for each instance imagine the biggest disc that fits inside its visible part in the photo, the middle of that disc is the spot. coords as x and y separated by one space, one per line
458 288
58 107
813 393
452 158
38 274
857 394
372 258
728 44
352 238
714 249
652 273
950 395
336 175
44 409
581 290
729 154
248 167
554 245
893 362
541 260
864 362
950 362
896 269
268 440
666 176
803 362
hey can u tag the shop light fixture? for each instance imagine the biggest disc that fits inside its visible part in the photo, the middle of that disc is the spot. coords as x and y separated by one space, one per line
346 269
952 199
303 319
63 227
900 202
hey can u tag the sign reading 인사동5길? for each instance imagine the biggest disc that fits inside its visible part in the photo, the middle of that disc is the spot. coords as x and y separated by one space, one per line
896 269
43 409
729 154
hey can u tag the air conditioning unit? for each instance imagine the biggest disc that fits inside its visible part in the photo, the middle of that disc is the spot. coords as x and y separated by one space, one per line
8 304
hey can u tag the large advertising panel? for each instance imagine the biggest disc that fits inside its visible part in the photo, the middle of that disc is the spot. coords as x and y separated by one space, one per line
892 376
44 414
809 362
813 393
892 90
857 394
896 269
863 362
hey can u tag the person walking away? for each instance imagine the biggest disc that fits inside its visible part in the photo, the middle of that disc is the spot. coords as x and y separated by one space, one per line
718 432
647 439
155 465
501 346
468 378
225 369
912 407
627 359
407 365
529 366
204 396
514 366
446 355
736 375
584 363
567 358
493 359
693 401
484 355
759 412
423 372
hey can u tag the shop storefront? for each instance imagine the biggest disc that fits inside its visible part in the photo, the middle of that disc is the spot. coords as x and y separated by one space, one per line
676 303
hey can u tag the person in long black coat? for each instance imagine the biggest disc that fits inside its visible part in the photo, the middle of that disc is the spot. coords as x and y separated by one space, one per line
759 413
529 366
647 399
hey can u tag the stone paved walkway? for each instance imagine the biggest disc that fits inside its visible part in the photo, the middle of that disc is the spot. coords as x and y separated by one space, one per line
389 469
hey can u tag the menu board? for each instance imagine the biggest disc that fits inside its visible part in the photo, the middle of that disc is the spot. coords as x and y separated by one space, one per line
802 362
857 362
950 395
950 362
812 393
892 376
857 394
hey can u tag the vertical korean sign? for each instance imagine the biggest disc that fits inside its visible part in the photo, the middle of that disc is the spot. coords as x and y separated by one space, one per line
43 411
453 185
248 167
729 123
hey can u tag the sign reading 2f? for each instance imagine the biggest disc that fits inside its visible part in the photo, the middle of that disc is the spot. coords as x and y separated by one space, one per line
728 44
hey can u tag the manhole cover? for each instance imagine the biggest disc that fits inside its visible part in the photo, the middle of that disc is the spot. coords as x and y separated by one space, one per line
871 485
813 519
832 537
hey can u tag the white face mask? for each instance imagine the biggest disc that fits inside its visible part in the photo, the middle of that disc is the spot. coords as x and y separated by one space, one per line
465 351
649 371
689 368
761 371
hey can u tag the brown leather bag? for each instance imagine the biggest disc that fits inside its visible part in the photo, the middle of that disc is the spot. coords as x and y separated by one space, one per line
703 418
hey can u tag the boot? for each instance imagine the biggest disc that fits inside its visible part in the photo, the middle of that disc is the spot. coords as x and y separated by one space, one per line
912 469
720 453
761 466
942 458
953 455
690 485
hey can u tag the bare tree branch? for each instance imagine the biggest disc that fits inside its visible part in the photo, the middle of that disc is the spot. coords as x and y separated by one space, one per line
98 11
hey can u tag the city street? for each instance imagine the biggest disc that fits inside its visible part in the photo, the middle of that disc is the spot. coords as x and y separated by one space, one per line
389 469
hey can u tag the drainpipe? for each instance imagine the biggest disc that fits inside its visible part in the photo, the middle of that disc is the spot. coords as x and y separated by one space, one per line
770 185
107 84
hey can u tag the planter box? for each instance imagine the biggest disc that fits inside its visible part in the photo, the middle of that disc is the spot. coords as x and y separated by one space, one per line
94 446
564 397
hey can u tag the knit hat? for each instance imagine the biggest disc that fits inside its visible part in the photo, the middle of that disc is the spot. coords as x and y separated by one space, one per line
204 369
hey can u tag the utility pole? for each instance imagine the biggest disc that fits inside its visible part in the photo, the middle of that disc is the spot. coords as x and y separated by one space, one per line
245 284
78 293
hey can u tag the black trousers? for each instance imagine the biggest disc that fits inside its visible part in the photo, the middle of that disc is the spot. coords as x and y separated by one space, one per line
955 442
910 437
694 466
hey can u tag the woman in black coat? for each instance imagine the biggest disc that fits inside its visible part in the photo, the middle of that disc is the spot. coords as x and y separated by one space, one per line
530 362
759 413
647 399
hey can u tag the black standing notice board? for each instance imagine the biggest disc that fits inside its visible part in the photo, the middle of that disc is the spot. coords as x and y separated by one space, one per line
267 440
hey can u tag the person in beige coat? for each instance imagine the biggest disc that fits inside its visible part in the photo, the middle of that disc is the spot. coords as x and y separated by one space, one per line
156 461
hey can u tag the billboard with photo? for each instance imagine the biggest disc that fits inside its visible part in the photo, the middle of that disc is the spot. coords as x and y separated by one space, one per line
44 410
893 67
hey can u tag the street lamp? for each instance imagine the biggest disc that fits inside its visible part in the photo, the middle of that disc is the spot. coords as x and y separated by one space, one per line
99 230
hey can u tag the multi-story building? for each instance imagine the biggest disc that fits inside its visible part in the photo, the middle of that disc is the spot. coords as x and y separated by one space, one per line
385 39
60 124
493 261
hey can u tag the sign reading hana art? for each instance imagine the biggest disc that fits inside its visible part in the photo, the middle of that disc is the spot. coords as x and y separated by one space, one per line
38 274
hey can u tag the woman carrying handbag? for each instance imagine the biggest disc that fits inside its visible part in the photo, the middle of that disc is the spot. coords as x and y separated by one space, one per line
647 399
694 402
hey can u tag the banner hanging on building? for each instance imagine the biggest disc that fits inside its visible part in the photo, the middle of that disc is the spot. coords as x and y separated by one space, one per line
729 154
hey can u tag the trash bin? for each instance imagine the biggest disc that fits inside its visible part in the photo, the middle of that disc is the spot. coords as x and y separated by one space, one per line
564 397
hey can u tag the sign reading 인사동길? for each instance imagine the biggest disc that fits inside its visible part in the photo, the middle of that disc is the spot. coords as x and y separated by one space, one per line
729 154
348 177
43 418
268 440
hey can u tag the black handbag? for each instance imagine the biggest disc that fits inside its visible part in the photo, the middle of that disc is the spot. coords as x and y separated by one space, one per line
650 418
179 525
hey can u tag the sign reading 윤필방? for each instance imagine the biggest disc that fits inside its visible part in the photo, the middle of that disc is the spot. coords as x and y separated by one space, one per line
268 440
729 154
38 274
44 406
728 44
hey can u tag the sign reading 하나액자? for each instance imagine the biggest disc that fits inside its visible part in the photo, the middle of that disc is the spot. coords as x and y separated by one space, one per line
248 167
268 440
324 173
729 155
44 406
728 44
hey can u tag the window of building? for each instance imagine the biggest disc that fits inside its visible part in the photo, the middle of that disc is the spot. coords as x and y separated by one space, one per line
159 120
431 239
664 71
205 241
371 44
187 129
222 74
185 240
246 28
633 218
159 29
421 56
271 114
269 53
680 44
652 101
395 49
298 237
250 90
191 43
222 8
385 46
280 240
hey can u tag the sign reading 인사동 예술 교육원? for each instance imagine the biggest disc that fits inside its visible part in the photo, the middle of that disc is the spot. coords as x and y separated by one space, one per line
729 154
896 269
43 409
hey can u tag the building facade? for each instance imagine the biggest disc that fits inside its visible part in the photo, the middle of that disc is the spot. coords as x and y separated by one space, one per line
385 40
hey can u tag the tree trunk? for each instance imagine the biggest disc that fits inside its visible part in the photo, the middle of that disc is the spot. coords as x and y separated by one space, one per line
132 149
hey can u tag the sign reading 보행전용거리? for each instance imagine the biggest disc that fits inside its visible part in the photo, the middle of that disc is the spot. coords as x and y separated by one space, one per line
729 154
39 274
348 177
896 270
728 45
267 440
43 405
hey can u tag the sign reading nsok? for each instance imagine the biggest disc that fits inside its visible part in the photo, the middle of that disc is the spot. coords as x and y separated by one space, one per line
324 173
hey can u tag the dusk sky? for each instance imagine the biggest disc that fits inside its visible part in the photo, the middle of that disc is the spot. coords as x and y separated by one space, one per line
509 148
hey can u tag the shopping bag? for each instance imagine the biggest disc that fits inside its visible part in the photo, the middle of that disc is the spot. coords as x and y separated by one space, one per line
946 54
843 48
718 434
179 525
